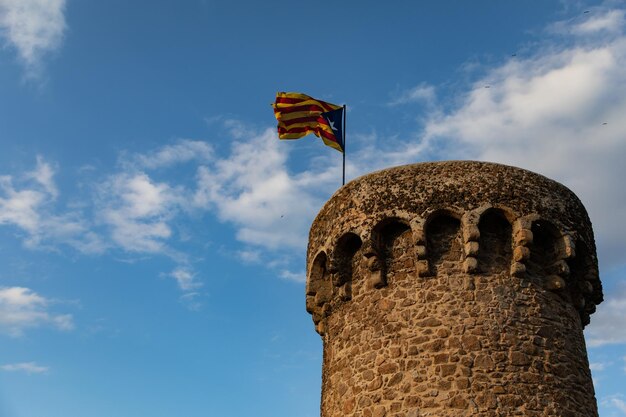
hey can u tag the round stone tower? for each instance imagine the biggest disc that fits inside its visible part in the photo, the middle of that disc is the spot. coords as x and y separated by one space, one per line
453 289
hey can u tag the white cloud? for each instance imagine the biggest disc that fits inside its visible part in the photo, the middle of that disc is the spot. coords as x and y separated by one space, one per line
615 401
607 323
559 113
28 203
611 21
44 175
190 299
183 151
33 28
22 308
249 256
138 209
423 93
20 207
597 366
185 278
293 276
27 367
253 189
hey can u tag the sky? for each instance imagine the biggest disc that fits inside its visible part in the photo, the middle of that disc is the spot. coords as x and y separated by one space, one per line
153 228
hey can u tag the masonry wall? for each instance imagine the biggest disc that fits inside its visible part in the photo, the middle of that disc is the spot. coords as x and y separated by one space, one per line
453 289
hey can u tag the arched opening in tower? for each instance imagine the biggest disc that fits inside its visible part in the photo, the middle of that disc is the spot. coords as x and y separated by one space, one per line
394 244
318 287
586 288
495 247
347 247
544 251
443 242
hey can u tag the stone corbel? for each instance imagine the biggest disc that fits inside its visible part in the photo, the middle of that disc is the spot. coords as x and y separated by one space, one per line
522 239
374 265
421 251
339 279
560 271
471 237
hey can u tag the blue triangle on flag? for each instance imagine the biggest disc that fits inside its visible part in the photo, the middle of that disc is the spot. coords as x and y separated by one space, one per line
335 120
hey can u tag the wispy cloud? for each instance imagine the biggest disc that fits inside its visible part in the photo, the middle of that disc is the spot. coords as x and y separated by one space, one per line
601 21
44 175
597 366
185 278
611 21
253 189
137 209
249 256
33 28
189 284
597 374
293 276
27 202
616 402
21 308
557 112
26 367
422 93
20 207
183 151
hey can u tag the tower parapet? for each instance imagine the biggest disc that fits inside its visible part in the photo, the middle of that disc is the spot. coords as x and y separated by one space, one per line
453 288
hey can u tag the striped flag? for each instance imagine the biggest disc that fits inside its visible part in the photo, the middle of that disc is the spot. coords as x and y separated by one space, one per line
298 115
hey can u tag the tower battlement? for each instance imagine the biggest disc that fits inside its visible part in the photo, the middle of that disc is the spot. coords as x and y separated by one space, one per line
450 286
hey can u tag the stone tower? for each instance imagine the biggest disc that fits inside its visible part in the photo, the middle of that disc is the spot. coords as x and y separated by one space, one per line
453 289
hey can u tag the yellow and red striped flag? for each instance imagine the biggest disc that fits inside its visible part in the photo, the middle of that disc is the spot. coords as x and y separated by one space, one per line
298 115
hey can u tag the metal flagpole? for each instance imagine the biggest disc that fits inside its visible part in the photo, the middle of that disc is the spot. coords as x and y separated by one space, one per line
343 181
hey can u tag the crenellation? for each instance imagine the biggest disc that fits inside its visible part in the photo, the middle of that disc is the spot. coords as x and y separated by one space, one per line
453 289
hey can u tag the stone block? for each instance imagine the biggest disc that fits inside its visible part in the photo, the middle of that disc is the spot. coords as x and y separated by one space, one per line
419 237
395 379
387 368
471 248
379 411
555 282
471 343
521 253
559 268
348 405
585 286
523 237
376 279
422 268
483 362
518 359
471 233
429 322
344 293
518 269
459 402
310 304
470 265
447 370
420 252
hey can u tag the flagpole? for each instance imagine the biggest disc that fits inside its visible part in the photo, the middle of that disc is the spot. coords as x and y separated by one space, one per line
343 181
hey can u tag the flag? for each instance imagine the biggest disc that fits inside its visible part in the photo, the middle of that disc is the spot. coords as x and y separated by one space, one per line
298 115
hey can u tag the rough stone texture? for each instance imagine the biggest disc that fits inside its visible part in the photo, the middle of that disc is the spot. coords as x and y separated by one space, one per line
453 289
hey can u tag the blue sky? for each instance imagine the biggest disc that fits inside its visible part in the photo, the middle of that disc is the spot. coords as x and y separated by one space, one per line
153 228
